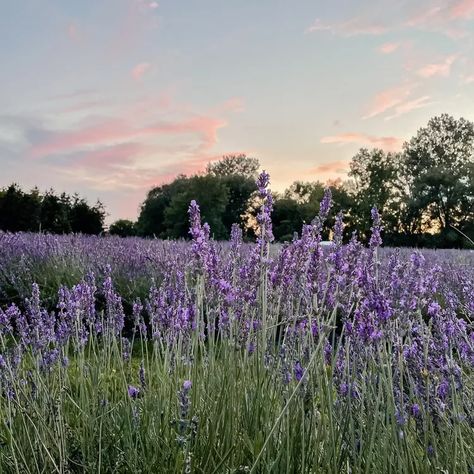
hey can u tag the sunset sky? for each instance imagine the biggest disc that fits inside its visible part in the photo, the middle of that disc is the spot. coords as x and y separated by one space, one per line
109 97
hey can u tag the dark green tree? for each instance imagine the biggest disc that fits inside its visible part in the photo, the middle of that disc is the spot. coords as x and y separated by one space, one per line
123 228
151 220
212 196
86 219
287 218
438 168
54 215
19 211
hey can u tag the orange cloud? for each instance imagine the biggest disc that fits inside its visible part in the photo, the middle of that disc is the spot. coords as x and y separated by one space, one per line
442 68
140 70
339 167
387 143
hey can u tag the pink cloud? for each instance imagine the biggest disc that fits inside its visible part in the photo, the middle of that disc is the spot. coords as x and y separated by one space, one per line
124 153
468 79
115 168
116 130
443 17
387 143
140 70
409 105
462 9
387 99
388 48
153 5
442 68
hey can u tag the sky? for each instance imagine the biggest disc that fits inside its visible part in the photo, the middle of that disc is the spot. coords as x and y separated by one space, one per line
109 98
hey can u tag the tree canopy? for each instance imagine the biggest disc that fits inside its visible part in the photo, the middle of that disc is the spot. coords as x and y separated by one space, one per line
48 212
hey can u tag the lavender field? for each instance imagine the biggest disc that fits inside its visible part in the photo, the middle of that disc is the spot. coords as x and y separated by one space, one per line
131 355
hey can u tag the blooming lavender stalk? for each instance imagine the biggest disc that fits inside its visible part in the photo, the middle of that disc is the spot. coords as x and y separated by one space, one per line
264 220
375 238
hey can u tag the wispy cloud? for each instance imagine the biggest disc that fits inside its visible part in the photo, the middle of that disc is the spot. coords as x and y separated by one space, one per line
442 68
140 70
388 48
118 130
468 79
387 143
447 17
332 167
387 99
353 27
409 105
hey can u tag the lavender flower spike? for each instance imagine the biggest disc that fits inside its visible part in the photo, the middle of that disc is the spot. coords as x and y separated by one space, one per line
375 238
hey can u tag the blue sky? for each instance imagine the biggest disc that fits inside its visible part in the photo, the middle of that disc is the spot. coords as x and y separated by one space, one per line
109 97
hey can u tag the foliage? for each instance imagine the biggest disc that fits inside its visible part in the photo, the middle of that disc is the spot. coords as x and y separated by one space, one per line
33 212
123 228
224 193
439 170
232 165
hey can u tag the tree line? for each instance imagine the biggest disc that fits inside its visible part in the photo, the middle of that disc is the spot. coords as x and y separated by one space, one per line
48 212
425 194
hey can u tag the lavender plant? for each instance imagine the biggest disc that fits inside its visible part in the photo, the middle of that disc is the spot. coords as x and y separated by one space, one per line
232 357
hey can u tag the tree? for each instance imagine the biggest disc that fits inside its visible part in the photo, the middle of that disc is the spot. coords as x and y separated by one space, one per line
239 192
19 211
123 228
86 219
439 171
212 196
376 182
230 165
54 214
305 191
151 220
287 218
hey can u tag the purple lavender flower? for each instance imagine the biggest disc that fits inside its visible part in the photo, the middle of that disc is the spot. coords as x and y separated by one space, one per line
325 205
133 392
415 410
264 219
298 371
375 238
